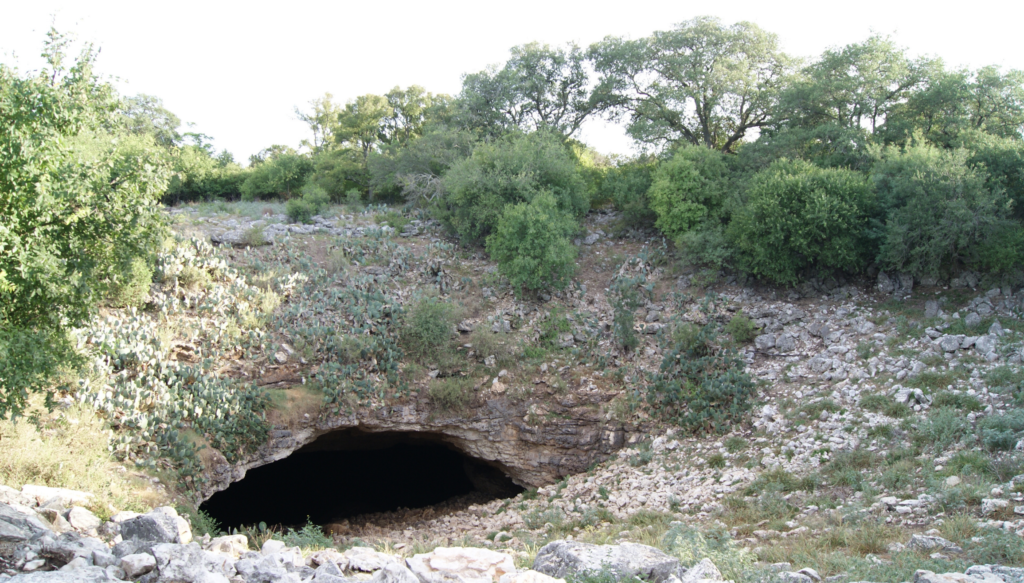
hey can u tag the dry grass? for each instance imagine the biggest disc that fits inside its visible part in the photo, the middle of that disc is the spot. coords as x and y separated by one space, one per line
69 449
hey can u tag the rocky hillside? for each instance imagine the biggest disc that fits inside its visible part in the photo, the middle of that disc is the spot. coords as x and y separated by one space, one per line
881 439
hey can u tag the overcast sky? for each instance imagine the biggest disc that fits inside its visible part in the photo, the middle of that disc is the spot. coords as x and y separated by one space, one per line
237 70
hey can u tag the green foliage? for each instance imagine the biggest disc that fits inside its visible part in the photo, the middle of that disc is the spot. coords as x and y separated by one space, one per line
1006 379
706 244
513 170
428 327
627 185
313 200
310 536
799 216
689 189
722 82
131 287
531 244
451 393
67 221
943 427
626 294
280 175
701 386
886 405
741 328
551 327
939 213
1001 432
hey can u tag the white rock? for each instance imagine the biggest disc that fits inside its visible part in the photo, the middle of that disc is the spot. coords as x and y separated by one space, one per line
42 494
83 520
469 564
138 564
232 545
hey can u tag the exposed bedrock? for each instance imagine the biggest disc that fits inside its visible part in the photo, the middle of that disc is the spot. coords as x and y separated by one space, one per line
534 445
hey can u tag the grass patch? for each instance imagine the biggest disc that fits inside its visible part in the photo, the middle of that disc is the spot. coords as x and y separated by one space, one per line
69 449
886 406
451 393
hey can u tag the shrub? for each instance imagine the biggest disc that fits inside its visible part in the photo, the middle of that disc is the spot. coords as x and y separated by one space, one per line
313 200
531 244
938 211
451 393
552 327
1001 432
627 186
688 189
299 210
428 327
132 287
961 401
510 171
701 386
279 176
68 218
799 216
626 294
943 428
706 244
741 328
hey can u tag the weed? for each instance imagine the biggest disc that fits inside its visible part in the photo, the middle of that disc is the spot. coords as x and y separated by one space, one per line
253 237
943 427
962 401
959 527
428 328
735 444
451 393
716 461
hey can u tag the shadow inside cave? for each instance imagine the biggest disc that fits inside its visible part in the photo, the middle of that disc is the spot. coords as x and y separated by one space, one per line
347 473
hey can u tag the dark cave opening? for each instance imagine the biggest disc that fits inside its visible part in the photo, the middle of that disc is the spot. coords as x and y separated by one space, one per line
351 472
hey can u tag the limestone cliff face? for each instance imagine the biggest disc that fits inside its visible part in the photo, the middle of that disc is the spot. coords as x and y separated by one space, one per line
535 442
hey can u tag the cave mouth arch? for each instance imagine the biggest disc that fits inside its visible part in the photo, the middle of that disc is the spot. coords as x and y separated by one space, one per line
350 472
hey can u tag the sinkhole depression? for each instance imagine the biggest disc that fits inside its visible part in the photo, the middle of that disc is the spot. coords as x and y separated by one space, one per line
351 472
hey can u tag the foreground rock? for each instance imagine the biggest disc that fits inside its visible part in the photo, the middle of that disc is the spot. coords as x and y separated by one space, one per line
574 559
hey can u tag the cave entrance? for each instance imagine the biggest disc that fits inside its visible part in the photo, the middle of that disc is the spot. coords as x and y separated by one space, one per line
351 472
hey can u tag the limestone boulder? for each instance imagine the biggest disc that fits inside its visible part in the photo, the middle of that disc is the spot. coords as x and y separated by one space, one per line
162 525
575 559
458 564
18 527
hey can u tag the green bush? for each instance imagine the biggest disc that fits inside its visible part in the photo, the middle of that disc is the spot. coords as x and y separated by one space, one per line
627 186
741 328
282 175
451 393
701 386
428 328
551 327
531 244
688 189
68 218
313 200
510 171
943 428
939 212
1001 432
132 286
706 244
626 294
799 216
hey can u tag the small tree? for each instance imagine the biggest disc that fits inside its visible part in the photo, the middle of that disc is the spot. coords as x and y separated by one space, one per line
531 244
940 213
799 216
688 190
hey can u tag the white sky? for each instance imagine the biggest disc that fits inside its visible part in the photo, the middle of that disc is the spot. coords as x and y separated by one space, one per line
237 69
